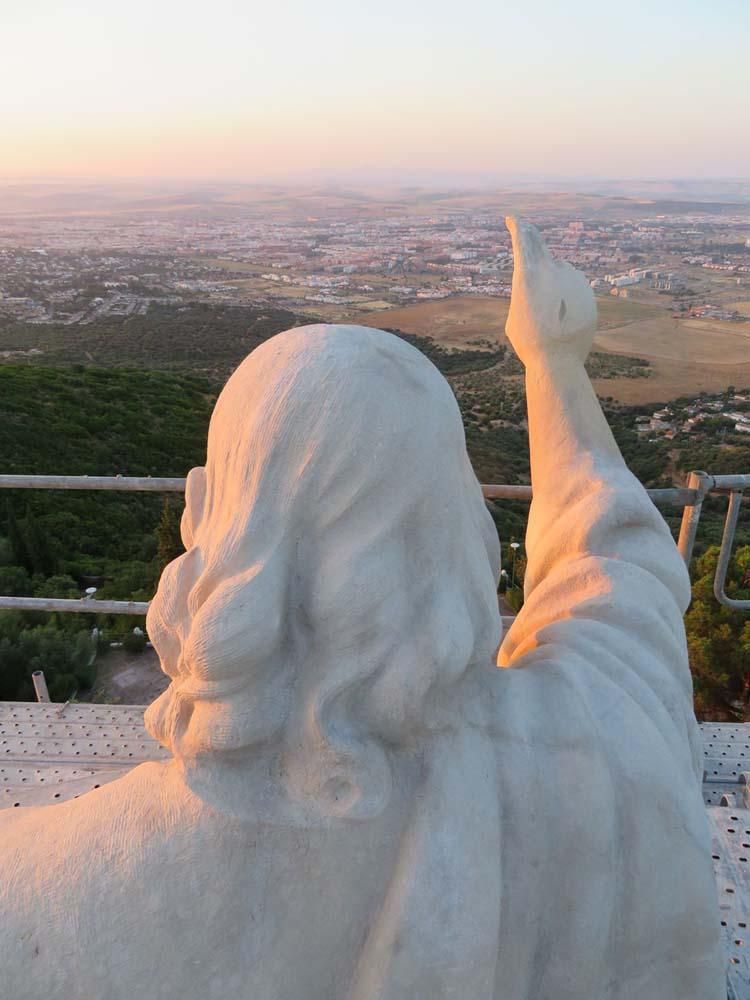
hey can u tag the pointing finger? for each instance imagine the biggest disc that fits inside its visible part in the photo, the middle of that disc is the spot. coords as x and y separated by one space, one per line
528 247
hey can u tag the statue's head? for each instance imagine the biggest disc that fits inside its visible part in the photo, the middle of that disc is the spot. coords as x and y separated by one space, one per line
338 588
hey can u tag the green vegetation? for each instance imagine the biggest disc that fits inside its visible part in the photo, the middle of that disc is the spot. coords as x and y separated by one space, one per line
65 652
195 336
452 361
719 640
87 421
600 365
95 422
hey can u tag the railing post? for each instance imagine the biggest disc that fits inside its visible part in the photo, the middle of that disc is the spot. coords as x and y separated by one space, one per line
701 482
725 554
40 685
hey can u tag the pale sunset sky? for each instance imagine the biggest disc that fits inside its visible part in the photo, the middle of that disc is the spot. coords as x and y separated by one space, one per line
235 89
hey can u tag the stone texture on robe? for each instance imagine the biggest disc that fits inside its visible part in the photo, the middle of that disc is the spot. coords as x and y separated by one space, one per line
361 805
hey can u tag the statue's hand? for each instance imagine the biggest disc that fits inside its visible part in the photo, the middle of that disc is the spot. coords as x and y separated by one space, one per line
552 307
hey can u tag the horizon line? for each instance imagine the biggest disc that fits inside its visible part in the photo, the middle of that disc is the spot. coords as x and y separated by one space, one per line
368 175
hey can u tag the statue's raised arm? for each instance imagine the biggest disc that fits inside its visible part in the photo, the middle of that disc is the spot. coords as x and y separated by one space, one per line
597 713
599 553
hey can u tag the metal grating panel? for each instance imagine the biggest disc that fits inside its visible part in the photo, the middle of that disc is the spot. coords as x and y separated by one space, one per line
50 753
730 838
726 746
42 786
98 733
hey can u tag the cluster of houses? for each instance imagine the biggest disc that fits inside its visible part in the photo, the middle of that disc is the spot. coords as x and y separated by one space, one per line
672 420
618 284
708 311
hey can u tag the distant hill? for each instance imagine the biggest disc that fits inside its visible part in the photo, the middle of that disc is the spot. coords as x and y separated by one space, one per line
370 193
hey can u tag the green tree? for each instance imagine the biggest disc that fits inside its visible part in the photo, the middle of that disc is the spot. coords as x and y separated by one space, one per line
719 640
134 642
67 659
39 551
169 541
59 585
19 552
14 581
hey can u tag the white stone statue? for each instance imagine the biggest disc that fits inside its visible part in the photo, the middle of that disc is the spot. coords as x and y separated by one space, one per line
361 806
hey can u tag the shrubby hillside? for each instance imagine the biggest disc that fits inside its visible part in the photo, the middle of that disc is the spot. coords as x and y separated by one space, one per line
87 421
197 336
90 421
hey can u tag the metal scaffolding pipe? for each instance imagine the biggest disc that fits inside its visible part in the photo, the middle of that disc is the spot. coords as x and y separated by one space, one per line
725 555
83 606
700 483
678 496
146 484
40 685
728 483
689 497
502 492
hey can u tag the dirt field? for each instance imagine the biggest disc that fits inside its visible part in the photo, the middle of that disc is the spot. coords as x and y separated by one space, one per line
451 322
614 311
456 322
686 356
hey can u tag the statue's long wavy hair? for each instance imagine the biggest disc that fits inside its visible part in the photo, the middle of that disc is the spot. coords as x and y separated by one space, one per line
338 586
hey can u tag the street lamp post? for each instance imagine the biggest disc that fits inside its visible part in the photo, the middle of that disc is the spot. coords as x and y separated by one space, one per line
514 546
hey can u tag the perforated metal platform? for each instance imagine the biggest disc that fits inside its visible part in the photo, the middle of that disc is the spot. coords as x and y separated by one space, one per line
726 792
49 752
730 836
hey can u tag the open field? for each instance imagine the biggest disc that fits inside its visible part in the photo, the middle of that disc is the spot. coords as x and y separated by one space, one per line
616 312
664 339
455 322
223 263
673 379
460 321
686 356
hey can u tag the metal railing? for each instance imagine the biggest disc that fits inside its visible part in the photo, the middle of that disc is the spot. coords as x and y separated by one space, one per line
689 497
732 486
128 484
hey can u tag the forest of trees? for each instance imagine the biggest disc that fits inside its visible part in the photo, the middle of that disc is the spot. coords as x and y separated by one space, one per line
719 639
143 409
87 421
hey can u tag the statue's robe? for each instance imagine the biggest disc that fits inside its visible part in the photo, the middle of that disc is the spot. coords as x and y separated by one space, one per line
551 846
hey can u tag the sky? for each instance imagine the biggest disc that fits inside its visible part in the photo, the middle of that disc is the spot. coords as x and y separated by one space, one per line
248 91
